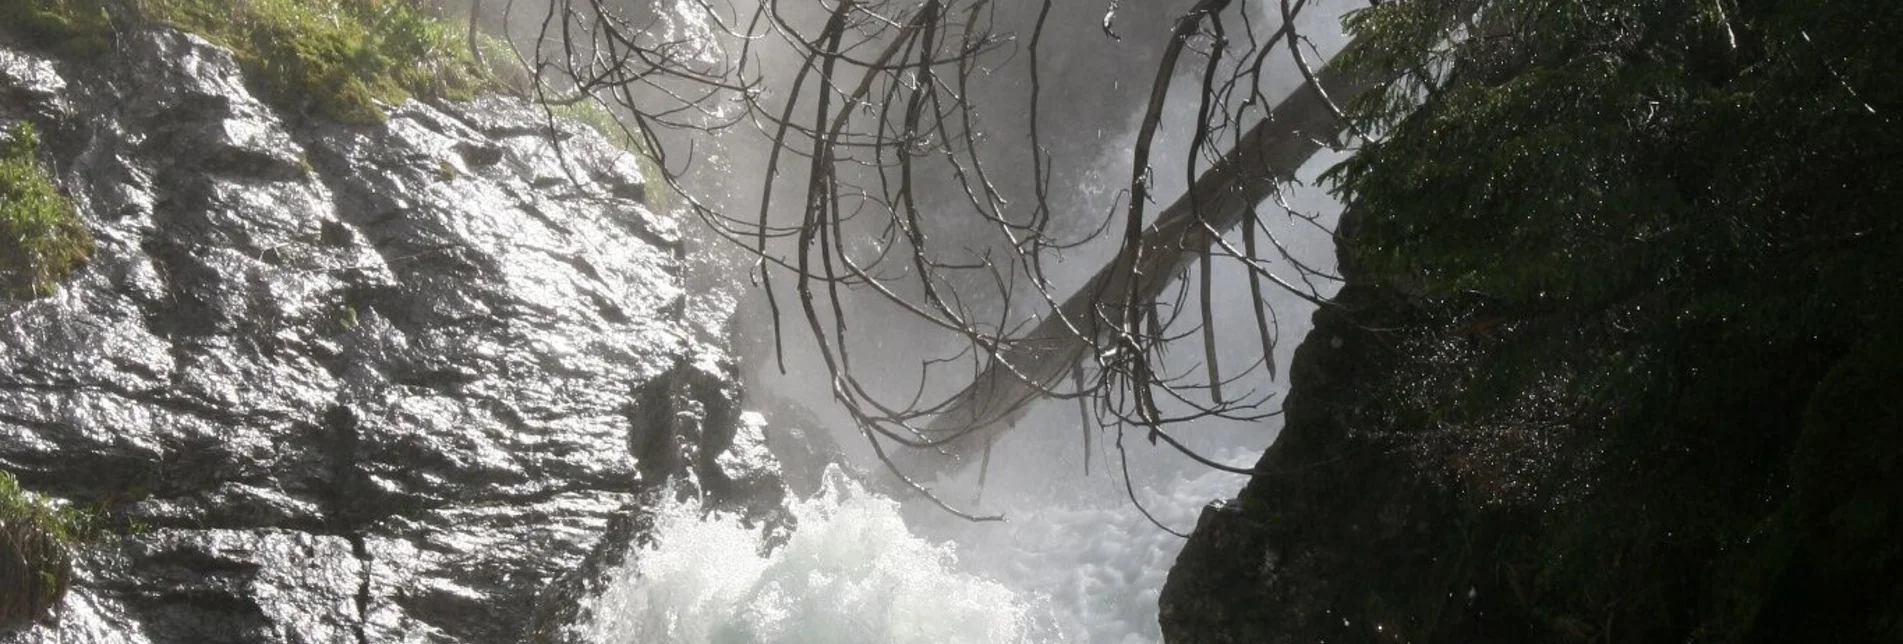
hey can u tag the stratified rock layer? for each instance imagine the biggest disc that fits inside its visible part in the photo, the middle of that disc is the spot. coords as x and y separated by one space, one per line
335 383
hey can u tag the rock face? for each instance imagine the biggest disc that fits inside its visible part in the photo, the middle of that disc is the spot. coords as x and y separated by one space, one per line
1341 524
397 383
1450 473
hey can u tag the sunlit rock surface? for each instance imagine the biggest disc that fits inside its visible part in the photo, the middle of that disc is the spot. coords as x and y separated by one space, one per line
387 383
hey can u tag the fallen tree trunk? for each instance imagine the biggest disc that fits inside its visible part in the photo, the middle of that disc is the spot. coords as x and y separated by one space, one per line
1028 367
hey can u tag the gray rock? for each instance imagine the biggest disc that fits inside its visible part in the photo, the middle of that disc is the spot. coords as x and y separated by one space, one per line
392 383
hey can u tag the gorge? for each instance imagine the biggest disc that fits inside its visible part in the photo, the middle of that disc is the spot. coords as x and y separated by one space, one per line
458 369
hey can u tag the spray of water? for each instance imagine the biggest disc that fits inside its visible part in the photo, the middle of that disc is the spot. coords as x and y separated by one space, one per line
852 572
1076 562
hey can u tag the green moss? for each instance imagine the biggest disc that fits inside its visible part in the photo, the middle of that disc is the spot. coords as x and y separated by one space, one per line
503 65
1652 240
36 541
624 136
75 27
41 239
341 57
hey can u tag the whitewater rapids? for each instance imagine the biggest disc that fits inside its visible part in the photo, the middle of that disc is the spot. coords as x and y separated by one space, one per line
854 572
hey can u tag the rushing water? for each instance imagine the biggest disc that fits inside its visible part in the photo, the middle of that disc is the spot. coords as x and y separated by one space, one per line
1077 560
1094 560
855 571
852 572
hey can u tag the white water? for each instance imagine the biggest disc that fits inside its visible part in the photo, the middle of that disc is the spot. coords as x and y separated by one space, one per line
852 572
1076 561
855 572
1095 560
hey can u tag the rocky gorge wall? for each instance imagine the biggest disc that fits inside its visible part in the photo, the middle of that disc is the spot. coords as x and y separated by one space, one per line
406 382
1460 469
1739 502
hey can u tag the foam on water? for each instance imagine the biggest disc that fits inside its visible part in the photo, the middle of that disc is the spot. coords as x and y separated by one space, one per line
1096 558
1083 567
851 573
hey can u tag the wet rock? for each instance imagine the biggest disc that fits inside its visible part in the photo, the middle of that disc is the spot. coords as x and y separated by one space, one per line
385 383
1645 479
1319 548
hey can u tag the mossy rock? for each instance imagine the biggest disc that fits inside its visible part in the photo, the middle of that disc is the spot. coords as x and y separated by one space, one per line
72 27
626 136
341 59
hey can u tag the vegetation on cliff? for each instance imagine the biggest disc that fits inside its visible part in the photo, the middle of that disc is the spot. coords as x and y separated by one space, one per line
340 58
343 56
1652 267
76 27
36 540
41 238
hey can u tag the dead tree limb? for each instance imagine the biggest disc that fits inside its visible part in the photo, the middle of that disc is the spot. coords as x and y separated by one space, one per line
1027 367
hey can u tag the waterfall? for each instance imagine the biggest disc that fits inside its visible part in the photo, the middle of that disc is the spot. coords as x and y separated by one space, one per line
1077 559
852 572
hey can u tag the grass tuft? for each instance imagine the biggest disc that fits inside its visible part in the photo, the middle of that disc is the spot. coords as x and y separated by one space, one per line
36 542
624 136
72 27
342 58
41 238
